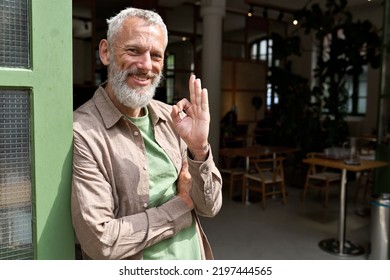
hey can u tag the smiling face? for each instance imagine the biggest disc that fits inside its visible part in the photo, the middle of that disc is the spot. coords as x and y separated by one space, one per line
135 62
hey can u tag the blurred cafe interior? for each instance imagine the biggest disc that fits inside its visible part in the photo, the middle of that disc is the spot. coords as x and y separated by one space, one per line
300 124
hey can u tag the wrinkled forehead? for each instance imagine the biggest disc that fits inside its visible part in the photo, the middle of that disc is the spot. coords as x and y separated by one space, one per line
141 31
140 27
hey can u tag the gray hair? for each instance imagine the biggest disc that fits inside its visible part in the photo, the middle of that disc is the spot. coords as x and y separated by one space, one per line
115 22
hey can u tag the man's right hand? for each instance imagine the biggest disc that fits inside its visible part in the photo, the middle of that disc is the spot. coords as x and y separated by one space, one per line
184 185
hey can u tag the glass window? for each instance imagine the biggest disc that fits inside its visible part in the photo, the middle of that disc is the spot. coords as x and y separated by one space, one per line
170 77
14 34
357 101
262 50
15 180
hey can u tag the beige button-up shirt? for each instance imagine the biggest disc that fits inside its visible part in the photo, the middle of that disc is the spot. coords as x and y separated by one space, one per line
110 190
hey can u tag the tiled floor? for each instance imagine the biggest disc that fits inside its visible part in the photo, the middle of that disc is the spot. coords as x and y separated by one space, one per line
284 232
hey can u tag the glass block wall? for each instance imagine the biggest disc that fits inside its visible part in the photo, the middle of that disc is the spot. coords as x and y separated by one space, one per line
15 181
14 34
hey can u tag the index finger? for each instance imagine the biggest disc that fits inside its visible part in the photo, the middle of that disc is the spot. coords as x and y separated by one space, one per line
183 105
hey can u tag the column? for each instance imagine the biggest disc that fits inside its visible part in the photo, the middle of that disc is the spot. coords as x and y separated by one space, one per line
213 12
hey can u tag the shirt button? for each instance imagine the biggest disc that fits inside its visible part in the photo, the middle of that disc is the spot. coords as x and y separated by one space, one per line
136 133
207 191
145 205
145 167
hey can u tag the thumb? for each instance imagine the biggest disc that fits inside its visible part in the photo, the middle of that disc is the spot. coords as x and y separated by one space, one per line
184 173
184 166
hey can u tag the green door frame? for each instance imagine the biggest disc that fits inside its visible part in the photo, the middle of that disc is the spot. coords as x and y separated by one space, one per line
50 84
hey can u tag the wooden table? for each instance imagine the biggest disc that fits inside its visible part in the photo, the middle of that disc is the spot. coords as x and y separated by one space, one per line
255 151
341 246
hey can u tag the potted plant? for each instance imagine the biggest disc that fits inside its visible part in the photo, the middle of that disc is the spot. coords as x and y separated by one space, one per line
344 47
295 119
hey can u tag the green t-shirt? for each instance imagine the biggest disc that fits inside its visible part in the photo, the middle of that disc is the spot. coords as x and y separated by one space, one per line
162 187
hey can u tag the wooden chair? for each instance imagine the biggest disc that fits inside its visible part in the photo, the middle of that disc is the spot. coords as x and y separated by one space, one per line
320 179
232 171
267 179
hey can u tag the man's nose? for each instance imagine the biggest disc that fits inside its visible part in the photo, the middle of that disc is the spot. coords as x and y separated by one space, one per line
145 62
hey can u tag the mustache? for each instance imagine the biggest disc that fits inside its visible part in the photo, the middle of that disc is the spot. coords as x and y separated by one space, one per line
135 72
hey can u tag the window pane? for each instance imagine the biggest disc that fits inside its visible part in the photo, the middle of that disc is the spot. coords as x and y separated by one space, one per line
171 62
15 180
269 96
14 34
263 50
170 77
349 105
254 51
362 105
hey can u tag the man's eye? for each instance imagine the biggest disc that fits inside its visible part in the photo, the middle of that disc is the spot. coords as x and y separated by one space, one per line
157 56
132 50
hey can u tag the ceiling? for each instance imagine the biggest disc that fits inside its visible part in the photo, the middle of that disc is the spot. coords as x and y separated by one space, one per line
106 9
242 5
233 5
233 24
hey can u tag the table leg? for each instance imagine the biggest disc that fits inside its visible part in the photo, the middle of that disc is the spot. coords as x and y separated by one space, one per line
342 219
247 189
341 246
274 166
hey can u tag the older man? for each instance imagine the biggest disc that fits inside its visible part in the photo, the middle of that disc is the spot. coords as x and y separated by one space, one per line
142 170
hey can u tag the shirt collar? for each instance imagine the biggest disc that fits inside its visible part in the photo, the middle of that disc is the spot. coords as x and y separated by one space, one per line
111 115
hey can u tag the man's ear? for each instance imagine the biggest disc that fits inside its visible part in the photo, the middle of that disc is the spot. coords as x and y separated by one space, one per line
104 52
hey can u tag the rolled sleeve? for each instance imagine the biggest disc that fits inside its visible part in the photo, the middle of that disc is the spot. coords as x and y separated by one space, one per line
206 190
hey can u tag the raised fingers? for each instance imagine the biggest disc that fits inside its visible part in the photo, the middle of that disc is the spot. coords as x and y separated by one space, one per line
205 100
198 93
198 96
191 86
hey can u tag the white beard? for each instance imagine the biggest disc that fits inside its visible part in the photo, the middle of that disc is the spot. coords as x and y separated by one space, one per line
131 97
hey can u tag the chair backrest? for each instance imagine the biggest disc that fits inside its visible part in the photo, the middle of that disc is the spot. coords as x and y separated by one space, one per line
313 169
318 171
231 162
269 166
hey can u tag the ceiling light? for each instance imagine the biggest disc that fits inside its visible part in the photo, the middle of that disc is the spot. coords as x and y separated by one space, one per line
251 11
